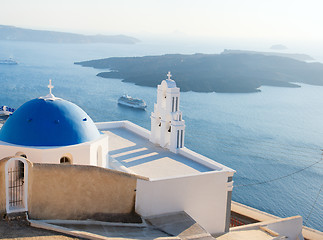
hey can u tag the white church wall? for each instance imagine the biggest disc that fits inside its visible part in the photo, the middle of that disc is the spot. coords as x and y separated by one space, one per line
105 151
203 197
98 151
93 158
80 154
7 150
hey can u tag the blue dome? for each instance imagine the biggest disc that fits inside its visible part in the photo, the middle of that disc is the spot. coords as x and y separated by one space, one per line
42 122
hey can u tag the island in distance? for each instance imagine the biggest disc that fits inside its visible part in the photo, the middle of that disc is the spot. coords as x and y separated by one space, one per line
227 73
10 33
278 47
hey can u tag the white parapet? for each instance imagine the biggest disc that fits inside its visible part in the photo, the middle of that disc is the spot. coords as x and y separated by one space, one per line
124 124
204 197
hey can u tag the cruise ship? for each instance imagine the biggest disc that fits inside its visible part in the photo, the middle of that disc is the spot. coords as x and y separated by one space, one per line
9 61
129 101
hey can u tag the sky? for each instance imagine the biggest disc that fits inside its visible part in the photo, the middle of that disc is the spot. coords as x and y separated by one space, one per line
279 20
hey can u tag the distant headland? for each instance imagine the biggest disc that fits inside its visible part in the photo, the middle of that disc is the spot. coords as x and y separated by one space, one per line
227 73
297 56
11 33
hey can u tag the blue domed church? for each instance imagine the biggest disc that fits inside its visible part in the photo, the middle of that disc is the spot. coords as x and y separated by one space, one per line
52 130
58 166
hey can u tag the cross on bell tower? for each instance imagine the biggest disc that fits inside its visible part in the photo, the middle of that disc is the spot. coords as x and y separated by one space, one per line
169 76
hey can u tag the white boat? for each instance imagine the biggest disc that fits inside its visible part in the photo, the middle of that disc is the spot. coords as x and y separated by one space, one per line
9 61
132 102
6 111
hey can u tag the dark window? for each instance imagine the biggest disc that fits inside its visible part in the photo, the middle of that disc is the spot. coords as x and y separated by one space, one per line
181 138
177 138
173 105
65 160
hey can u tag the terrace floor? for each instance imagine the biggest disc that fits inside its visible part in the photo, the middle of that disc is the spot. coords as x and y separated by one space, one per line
146 159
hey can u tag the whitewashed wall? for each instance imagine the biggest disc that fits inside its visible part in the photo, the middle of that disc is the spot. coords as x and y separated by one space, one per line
103 142
203 197
81 154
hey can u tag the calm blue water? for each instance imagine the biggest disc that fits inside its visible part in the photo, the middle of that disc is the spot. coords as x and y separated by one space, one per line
263 136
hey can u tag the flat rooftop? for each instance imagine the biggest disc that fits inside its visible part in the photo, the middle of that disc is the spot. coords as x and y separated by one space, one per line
146 159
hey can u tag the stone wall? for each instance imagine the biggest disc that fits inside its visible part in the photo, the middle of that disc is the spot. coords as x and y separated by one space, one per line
79 192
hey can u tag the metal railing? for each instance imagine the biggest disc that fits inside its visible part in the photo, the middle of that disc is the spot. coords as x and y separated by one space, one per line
16 183
235 222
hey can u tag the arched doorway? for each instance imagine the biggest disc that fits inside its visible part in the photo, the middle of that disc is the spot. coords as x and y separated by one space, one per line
16 185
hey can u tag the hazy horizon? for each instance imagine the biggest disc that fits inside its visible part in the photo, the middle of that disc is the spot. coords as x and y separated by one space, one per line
233 24
281 21
182 44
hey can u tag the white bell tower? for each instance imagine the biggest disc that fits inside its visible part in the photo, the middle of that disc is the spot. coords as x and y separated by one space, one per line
167 125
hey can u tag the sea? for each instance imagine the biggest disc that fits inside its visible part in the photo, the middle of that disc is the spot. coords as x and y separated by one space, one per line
272 138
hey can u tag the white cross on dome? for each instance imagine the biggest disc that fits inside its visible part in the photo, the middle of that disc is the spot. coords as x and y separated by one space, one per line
50 86
50 96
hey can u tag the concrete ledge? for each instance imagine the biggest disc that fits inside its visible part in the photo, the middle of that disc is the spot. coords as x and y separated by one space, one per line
137 129
92 222
290 228
259 216
67 231
264 223
83 234
252 213
129 174
204 160
312 234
